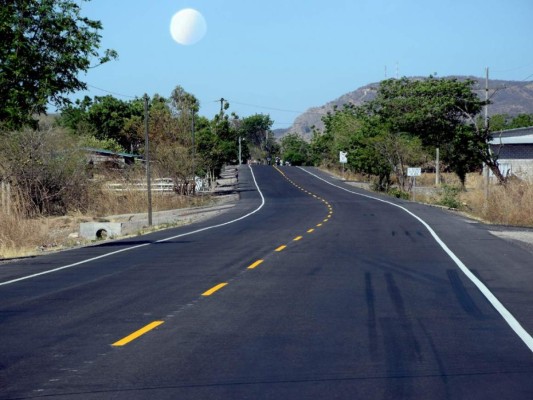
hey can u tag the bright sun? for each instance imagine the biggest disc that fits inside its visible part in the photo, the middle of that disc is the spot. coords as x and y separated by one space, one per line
187 26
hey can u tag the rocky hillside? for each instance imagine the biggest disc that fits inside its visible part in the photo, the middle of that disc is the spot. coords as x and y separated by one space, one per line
508 97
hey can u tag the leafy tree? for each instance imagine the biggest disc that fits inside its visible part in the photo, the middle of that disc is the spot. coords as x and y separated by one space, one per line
256 129
498 122
295 149
45 45
399 150
321 148
354 130
209 153
431 109
521 121
106 117
436 111
463 151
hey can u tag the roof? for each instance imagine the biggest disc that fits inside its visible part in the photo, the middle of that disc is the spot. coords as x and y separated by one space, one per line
513 136
110 153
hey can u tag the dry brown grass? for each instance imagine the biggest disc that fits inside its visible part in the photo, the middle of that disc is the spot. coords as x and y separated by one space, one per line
21 235
511 204
112 203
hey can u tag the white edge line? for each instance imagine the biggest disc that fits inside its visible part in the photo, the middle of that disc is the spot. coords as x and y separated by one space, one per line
144 244
506 314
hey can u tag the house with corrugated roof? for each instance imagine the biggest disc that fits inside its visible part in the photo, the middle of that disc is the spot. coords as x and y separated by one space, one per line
514 148
109 158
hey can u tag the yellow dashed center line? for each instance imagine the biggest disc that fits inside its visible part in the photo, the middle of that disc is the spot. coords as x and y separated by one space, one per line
280 248
138 333
214 289
255 264
310 230
297 238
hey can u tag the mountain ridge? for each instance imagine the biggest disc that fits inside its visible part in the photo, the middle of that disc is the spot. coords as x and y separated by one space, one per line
508 97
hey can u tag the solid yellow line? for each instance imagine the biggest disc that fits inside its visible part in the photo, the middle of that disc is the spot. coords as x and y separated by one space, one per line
255 264
138 333
297 238
280 247
310 230
214 289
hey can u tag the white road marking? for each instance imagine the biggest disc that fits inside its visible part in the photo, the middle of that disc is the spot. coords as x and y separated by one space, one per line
506 314
144 244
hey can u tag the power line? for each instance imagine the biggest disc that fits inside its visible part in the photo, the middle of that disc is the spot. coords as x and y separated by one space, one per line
273 108
514 68
113 93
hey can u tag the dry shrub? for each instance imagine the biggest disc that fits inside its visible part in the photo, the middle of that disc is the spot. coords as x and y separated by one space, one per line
130 201
511 204
20 236
446 178
131 196
47 168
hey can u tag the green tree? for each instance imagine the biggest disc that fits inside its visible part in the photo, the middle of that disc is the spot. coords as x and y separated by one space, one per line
295 149
498 122
45 46
431 108
521 121
256 129
436 111
321 148
106 117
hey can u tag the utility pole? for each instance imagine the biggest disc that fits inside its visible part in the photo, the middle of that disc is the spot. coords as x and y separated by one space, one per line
147 160
486 120
240 151
193 154
437 166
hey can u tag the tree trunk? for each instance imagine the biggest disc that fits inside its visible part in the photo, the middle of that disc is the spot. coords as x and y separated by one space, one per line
493 165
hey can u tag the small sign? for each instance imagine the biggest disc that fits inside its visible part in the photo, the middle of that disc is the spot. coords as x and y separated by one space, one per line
414 171
343 157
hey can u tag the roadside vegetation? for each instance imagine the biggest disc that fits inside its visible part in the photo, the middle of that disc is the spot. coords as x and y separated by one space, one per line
48 185
404 126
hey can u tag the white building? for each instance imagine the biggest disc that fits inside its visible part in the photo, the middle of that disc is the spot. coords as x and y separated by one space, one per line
514 148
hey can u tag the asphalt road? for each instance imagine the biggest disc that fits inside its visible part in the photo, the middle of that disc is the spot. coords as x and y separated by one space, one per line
304 290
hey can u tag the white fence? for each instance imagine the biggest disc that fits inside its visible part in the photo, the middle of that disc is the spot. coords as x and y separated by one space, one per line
161 185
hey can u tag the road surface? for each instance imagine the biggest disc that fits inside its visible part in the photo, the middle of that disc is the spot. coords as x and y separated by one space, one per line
306 289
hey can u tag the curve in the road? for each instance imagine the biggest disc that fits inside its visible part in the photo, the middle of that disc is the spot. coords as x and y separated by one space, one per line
144 244
502 310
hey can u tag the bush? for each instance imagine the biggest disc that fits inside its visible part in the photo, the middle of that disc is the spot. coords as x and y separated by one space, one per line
398 193
449 196
47 168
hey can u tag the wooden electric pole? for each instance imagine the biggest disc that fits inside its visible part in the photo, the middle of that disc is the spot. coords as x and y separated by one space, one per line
147 160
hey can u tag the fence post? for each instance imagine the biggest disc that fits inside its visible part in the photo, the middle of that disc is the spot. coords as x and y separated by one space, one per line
5 188
2 190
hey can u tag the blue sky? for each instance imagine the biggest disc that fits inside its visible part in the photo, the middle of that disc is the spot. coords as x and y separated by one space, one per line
281 57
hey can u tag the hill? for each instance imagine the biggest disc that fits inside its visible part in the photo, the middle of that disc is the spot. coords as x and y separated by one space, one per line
508 97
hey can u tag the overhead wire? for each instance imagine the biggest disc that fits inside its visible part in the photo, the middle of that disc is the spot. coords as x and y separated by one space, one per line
113 93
